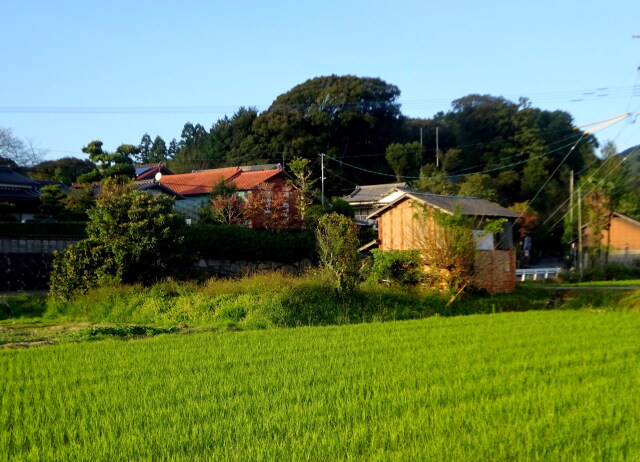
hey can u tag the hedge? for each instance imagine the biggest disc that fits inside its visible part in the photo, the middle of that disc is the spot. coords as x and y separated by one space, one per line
228 242
62 229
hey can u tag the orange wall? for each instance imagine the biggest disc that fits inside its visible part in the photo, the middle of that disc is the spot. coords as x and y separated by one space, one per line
397 230
624 235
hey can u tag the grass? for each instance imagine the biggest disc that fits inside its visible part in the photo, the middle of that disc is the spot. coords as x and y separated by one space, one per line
621 283
539 385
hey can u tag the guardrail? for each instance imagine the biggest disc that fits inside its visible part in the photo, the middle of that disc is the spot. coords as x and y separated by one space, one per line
534 274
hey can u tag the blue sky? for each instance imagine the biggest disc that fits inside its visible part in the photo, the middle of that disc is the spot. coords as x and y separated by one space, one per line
96 56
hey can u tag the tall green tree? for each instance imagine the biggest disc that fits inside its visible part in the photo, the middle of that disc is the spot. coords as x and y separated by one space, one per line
118 164
404 159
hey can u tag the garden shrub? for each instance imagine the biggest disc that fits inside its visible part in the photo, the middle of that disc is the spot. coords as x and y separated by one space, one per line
337 238
228 242
134 237
399 266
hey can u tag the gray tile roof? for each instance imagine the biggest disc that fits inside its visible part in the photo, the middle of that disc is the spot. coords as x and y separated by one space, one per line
9 176
474 206
372 192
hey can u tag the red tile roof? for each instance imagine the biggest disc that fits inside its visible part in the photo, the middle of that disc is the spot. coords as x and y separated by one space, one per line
189 184
247 181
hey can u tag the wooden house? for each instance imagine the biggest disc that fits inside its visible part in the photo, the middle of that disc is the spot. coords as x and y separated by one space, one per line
621 239
495 263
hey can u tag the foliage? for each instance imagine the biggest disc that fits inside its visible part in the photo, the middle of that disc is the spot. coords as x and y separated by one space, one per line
224 205
342 207
337 238
133 237
273 207
78 202
51 201
6 209
65 170
400 266
225 242
447 247
313 215
478 185
434 181
404 159
528 218
109 165
304 183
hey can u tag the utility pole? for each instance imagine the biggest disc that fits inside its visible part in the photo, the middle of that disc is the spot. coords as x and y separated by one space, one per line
437 149
571 216
322 174
421 150
579 232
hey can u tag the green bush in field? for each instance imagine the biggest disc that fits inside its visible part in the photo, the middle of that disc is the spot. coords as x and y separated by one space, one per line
133 237
337 238
400 266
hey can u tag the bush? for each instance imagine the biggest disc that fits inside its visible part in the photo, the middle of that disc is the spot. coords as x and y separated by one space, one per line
134 237
400 266
227 242
337 238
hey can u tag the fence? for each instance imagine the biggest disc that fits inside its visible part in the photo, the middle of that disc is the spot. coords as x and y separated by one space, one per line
534 274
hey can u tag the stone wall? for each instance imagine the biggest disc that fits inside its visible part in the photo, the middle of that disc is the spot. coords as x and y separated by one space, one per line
236 268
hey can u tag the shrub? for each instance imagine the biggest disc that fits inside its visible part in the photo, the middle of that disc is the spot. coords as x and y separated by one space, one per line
400 266
226 242
337 238
134 237
342 207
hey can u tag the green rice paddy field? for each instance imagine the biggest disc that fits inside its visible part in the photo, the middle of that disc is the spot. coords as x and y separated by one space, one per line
538 385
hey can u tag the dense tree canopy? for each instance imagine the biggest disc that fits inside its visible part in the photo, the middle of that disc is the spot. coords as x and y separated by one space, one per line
508 151
109 165
67 169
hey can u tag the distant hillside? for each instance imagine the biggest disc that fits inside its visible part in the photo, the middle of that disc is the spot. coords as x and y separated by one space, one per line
633 152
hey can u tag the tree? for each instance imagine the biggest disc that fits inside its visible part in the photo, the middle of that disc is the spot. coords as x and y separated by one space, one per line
109 165
51 201
144 148
337 240
478 185
404 159
22 153
342 207
273 207
133 237
66 170
434 181
79 201
304 183
447 247
336 115
528 218
158 152
224 205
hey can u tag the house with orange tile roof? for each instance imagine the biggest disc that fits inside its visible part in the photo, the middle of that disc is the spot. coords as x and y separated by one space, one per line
192 189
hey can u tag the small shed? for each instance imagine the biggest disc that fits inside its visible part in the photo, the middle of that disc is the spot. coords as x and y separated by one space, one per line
398 229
